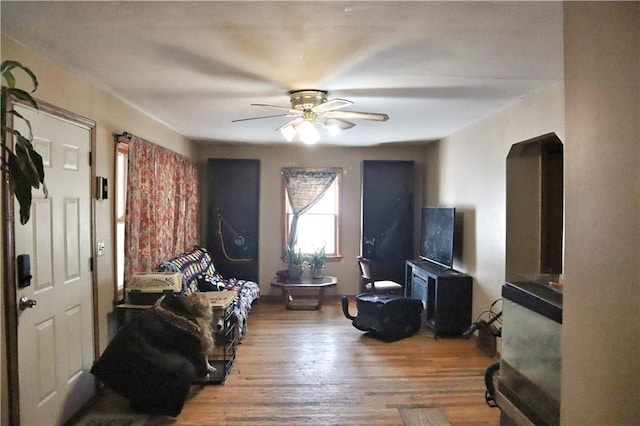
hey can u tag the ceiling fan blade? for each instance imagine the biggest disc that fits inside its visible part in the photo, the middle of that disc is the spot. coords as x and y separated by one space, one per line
291 110
356 115
259 118
338 122
293 123
331 105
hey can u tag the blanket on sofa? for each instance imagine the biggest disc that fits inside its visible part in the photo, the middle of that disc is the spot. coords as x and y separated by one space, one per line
155 357
200 274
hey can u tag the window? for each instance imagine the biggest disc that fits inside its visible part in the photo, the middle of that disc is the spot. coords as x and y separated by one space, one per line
319 224
122 150
156 205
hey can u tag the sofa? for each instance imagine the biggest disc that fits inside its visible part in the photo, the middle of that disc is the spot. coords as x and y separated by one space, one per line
154 358
200 274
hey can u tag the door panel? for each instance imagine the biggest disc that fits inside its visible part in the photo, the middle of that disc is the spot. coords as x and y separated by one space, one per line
55 337
388 216
233 209
42 250
45 360
72 249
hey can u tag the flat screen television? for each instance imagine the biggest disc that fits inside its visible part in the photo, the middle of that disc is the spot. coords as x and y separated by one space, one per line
437 235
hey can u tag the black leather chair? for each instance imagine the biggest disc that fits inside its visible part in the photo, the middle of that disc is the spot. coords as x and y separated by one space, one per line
374 280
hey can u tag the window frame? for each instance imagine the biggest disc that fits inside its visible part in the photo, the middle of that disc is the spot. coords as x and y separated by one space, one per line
284 216
120 212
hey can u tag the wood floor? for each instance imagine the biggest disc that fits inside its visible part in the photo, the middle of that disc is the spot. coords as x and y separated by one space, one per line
315 368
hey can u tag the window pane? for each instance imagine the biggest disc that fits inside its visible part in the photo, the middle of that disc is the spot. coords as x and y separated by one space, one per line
121 184
316 230
327 204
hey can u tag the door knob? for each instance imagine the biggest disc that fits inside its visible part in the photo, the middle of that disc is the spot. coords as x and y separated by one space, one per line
26 303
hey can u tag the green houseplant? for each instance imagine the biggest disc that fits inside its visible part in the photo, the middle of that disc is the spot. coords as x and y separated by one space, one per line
21 165
295 259
316 262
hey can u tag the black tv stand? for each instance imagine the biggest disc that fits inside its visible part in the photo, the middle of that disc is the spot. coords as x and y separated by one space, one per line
445 293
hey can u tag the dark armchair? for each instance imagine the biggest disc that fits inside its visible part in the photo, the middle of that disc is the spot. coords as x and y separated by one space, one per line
374 278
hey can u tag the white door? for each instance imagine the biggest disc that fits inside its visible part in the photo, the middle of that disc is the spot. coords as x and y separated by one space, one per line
55 337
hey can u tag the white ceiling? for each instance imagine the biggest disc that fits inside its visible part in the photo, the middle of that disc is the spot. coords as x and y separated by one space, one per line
433 67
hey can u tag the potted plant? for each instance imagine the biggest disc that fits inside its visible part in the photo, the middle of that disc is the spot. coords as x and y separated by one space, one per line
22 165
316 262
294 258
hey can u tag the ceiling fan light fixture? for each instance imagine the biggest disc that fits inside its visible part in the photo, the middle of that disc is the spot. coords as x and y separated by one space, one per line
332 128
307 99
310 111
289 132
308 133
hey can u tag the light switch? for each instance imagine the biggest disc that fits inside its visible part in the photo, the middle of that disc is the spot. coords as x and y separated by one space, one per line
100 248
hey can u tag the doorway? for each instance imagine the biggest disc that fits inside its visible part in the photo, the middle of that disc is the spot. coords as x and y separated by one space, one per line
387 210
232 194
51 341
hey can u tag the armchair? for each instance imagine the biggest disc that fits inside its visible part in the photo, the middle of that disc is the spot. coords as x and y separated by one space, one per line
374 280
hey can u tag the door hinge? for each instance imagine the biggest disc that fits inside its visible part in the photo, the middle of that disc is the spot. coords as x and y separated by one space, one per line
90 158
91 264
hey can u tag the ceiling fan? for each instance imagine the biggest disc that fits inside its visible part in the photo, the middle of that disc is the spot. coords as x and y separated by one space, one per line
311 107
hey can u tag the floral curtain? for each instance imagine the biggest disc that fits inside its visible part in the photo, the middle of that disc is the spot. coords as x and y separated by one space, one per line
305 186
162 206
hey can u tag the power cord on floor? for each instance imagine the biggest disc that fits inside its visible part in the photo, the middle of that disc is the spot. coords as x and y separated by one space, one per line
493 318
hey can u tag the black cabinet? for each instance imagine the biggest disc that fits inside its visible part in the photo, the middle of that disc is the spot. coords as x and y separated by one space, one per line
446 295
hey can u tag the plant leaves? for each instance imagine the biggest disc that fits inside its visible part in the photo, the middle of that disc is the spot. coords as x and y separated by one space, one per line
8 65
19 185
9 78
22 95
24 167
21 140
27 165
39 166
27 122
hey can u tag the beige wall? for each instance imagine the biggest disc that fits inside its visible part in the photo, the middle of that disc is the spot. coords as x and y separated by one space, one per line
601 134
468 171
601 331
272 159
62 89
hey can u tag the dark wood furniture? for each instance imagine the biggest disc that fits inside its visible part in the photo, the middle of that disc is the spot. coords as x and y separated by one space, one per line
316 285
446 294
374 278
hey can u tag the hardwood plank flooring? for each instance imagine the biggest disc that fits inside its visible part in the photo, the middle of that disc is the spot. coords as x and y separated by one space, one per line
315 368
